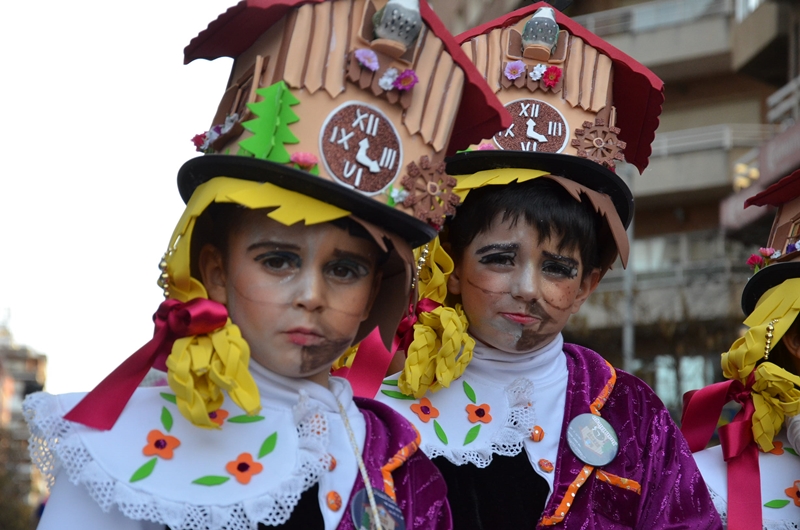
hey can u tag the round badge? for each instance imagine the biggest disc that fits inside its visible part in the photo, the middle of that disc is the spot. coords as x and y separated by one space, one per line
361 148
389 513
592 439
536 127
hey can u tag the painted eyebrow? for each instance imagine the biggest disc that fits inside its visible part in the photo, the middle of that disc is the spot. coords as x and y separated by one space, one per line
564 259
503 247
273 245
365 260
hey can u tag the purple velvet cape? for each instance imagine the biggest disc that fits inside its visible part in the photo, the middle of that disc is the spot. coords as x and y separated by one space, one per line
652 452
421 490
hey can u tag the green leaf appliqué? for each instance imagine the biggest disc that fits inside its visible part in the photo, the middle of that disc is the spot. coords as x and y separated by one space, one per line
166 419
397 395
169 397
145 471
390 382
472 434
269 445
439 432
777 503
469 392
211 480
244 418
790 450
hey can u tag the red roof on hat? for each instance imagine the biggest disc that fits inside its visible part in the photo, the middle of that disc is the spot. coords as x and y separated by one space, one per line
480 114
784 190
638 92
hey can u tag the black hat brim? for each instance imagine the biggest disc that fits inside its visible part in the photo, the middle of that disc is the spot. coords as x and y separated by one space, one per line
764 280
202 169
581 170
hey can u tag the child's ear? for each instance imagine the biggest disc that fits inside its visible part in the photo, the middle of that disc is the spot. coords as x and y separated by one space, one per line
454 280
588 285
212 273
791 340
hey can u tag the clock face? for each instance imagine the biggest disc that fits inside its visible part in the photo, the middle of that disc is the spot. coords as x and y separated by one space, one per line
537 127
361 148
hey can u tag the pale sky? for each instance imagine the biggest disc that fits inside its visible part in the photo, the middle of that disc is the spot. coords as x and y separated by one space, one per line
98 112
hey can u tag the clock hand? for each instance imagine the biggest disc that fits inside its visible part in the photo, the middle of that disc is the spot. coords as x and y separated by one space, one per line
362 158
533 134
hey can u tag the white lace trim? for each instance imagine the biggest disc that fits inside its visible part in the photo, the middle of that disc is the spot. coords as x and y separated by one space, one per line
508 440
767 524
56 444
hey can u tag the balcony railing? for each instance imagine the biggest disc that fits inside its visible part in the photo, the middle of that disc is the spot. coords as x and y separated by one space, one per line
784 105
724 136
652 15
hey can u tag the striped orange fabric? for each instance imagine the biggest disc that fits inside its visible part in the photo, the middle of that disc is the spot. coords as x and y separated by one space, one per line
624 483
396 461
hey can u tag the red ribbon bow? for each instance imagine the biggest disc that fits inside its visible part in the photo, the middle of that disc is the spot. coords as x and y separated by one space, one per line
701 411
101 407
373 359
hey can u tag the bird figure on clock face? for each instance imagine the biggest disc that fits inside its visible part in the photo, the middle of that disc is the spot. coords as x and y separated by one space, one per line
399 21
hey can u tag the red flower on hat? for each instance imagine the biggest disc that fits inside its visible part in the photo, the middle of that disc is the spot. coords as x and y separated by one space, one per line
198 140
425 410
755 261
243 468
551 76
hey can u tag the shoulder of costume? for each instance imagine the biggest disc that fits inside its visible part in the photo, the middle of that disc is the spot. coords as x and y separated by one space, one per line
399 432
155 465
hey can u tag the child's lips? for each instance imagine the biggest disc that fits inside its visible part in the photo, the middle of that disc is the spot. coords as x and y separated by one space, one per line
304 337
520 318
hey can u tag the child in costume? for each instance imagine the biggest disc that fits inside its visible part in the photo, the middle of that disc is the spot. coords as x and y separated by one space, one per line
530 432
295 244
754 474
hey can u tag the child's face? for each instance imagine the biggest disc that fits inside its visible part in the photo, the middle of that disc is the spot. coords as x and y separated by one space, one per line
298 293
518 294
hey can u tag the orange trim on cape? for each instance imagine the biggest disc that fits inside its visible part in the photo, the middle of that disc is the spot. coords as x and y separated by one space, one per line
396 461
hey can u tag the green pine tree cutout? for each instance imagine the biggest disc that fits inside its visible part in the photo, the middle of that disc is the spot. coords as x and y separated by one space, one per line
270 128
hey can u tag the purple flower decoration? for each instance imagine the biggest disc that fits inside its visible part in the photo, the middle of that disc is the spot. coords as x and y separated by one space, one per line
406 80
791 247
514 69
367 59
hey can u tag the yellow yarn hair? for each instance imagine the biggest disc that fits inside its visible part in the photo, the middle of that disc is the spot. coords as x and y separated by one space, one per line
775 391
346 360
441 348
200 367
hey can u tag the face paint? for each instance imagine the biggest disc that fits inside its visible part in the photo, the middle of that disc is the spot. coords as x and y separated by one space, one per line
518 293
298 293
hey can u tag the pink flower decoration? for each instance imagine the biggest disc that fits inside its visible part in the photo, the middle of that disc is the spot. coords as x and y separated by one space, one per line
304 160
514 69
406 80
486 147
755 261
198 141
367 59
766 252
551 76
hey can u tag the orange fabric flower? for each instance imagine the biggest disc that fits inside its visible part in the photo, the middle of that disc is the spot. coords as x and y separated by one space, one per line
218 416
479 413
425 410
160 444
794 493
243 468
778 449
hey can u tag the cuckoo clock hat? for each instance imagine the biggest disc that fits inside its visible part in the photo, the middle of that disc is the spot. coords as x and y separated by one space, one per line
578 107
352 102
782 259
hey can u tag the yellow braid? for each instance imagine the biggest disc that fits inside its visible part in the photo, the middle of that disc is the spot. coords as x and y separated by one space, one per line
775 391
346 360
201 366
441 348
